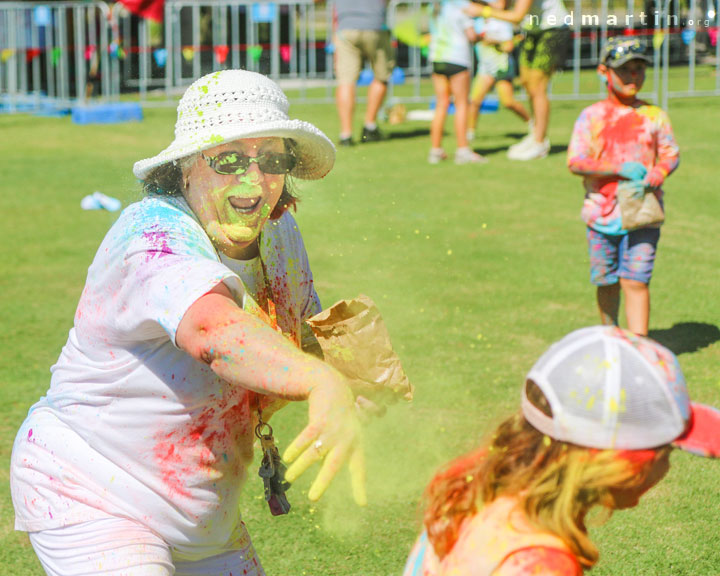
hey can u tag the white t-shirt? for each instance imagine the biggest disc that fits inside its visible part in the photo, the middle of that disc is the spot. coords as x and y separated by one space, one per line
497 30
448 41
131 425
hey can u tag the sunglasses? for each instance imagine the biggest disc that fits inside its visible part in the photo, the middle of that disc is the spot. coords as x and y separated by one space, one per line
237 163
621 50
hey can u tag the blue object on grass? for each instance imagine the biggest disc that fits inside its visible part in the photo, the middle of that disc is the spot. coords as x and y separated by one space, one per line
398 76
365 78
50 110
107 113
451 108
489 105
99 201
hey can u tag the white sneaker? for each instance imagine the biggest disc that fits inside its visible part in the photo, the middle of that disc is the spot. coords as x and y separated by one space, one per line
527 140
436 155
518 147
532 151
467 156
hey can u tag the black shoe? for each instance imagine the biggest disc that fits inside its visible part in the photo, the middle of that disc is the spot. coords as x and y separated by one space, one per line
371 135
346 142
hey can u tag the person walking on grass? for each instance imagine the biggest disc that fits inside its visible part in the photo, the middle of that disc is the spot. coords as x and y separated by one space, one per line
622 144
601 412
452 34
190 332
361 36
543 51
497 68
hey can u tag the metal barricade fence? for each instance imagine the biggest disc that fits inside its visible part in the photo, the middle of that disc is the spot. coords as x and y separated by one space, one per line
53 54
279 39
68 52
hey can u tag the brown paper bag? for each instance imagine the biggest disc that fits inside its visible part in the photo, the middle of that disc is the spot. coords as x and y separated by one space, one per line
355 341
645 212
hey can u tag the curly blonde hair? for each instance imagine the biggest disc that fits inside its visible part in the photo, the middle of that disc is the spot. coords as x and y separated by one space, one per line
556 483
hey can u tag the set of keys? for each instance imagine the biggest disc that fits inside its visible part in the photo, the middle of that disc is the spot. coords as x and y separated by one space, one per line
272 471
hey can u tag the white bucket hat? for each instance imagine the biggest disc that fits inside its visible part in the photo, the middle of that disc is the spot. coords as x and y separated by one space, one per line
235 104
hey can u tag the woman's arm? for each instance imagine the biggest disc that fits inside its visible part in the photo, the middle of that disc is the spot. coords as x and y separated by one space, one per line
244 351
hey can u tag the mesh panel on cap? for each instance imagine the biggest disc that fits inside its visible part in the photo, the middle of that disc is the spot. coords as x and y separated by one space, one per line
579 383
646 415
609 389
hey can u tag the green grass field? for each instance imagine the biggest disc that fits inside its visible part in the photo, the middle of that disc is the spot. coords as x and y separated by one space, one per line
476 269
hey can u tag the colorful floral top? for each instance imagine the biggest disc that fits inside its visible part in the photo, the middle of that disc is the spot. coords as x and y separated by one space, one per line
605 136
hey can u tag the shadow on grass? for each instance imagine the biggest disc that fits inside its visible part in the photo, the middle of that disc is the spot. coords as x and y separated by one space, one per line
557 149
415 133
687 336
487 151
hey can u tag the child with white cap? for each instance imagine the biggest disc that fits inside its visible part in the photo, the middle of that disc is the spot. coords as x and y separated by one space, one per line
601 410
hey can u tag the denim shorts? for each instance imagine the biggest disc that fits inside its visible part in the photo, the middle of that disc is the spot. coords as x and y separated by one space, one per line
630 256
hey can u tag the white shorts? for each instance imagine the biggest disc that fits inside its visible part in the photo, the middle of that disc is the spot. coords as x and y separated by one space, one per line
122 547
496 63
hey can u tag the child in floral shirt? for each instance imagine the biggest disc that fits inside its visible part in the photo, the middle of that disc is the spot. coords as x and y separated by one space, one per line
621 142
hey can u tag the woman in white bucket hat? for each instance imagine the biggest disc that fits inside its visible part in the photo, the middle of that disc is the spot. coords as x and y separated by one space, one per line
188 335
601 411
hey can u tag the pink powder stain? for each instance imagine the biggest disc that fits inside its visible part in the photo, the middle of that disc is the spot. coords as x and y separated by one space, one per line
200 449
30 433
158 245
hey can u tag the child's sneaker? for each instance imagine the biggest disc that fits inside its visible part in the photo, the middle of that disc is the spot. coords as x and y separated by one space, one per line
532 151
467 156
436 155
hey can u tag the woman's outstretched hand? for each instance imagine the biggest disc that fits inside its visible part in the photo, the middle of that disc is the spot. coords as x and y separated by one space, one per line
333 437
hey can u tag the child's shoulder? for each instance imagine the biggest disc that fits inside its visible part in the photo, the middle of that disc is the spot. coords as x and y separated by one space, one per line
595 109
600 106
651 111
